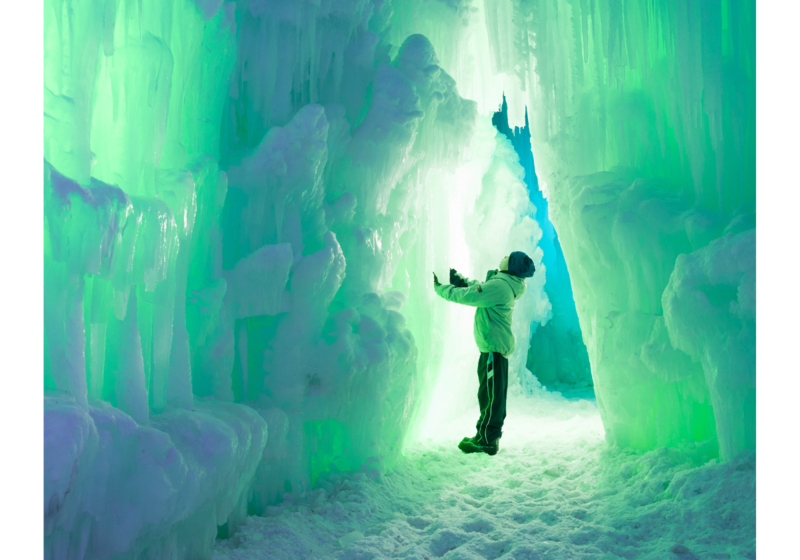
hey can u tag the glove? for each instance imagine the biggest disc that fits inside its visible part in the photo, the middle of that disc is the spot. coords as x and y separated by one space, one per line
489 274
436 280
456 279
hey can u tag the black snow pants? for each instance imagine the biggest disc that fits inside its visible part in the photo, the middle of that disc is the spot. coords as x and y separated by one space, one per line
493 378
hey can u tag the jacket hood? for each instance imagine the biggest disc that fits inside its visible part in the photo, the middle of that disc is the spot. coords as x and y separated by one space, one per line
521 264
516 284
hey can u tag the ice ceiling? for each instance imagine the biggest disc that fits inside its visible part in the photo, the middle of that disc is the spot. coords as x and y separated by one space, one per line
244 202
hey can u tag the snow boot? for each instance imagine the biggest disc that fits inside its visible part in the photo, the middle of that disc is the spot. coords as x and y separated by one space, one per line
479 445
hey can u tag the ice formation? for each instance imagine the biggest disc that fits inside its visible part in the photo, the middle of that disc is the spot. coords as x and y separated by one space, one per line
642 121
557 355
244 202
557 491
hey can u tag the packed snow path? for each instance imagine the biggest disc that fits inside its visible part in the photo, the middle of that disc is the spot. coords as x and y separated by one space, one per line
555 490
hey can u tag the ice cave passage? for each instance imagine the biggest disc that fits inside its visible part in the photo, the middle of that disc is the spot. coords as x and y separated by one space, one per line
244 203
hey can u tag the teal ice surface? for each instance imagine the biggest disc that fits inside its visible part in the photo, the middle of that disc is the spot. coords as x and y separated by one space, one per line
244 201
555 490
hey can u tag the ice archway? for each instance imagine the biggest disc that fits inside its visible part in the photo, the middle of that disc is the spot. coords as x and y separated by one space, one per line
244 201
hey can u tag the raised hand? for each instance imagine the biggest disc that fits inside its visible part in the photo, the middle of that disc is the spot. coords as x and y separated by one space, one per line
456 279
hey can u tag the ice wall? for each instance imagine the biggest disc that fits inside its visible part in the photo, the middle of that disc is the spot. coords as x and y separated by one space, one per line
557 355
244 203
643 127
135 464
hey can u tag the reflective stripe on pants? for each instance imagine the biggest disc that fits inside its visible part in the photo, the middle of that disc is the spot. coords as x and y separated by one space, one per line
492 393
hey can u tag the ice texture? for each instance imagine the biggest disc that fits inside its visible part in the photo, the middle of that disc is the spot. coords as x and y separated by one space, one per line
555 490
710 314
116 488
642 122
243 202
557 355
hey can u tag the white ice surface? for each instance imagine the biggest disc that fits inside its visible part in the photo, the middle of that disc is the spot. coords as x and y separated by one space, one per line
117 489
555 490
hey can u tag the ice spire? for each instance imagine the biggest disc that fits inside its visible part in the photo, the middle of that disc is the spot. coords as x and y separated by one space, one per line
500 120
555 355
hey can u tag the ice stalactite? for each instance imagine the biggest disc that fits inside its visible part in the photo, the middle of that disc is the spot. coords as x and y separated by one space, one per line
642 122
244 202
243 206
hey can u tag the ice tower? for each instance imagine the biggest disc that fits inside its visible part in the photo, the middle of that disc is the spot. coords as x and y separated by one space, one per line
557 355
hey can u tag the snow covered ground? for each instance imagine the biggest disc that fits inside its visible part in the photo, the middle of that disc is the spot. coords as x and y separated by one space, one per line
555 490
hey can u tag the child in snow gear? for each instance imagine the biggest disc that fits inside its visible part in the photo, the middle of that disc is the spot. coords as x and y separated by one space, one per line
495 299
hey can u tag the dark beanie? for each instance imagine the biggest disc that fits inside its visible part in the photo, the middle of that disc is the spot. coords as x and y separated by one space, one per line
520 264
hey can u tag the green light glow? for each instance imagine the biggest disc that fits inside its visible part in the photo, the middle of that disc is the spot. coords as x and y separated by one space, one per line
243 203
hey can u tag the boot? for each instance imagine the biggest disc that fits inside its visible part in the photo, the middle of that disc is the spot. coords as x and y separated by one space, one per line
479 445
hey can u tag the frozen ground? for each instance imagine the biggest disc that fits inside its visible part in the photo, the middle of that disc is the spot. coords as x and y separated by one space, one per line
555 490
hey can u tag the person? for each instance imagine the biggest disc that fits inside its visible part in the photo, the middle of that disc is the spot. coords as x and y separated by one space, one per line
494 299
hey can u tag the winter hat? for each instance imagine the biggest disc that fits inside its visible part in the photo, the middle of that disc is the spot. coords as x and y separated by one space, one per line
504 264
520 264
